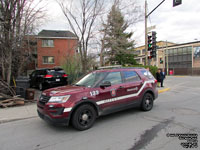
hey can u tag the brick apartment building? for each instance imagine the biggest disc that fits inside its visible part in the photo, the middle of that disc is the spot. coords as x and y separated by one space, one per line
54 46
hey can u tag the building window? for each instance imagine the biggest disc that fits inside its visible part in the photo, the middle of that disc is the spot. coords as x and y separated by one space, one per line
48 60
143 52
136 52
47 43
137 60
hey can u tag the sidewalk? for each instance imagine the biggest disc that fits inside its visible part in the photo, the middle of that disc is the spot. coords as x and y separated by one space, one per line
18 112
30 110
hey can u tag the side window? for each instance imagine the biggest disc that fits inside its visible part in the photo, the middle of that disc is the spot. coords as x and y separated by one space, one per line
43 72
130 76
37 72
147 74
33 74
114 78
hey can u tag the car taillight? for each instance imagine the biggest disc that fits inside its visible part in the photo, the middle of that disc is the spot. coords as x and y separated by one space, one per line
65 75
156 81
48 76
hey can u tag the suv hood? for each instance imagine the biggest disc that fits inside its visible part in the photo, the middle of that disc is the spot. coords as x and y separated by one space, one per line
63 90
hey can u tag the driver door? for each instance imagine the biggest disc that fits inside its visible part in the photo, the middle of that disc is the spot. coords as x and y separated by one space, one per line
109 97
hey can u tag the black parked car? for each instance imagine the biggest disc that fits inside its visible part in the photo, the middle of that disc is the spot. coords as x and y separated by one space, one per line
46 78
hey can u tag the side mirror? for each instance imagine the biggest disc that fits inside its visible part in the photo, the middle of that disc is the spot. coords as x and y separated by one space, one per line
105 84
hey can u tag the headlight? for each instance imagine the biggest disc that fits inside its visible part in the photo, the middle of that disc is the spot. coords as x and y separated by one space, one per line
59 99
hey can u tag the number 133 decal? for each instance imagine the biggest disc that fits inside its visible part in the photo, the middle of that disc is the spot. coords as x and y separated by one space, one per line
94 93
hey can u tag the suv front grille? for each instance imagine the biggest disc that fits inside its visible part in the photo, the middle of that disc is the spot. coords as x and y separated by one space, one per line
44 99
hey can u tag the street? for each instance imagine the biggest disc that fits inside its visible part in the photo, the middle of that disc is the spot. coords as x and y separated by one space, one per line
176 111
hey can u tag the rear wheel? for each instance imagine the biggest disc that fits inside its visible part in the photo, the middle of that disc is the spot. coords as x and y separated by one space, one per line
84 117
147 102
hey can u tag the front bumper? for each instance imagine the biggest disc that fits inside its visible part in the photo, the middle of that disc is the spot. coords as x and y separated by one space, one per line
55 121
54 113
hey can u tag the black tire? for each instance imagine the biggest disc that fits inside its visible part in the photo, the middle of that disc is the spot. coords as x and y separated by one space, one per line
147 102
84 117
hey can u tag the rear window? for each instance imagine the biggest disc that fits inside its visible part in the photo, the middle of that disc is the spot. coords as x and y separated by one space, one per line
131 76
55 72
147 74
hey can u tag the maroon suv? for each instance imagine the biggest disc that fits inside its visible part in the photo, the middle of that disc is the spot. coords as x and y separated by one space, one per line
98 93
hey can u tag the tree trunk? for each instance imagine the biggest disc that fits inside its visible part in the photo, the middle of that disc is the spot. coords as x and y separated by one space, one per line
102 54
9 71
2 65
84 66
3 71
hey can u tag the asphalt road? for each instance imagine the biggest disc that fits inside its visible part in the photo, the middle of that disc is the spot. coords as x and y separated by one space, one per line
175 112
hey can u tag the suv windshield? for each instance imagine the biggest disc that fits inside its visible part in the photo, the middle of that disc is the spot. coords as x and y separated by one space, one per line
91 79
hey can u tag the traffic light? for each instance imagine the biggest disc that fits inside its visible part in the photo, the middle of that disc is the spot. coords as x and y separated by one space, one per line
161 61
154 44
177 2
149 45
149 42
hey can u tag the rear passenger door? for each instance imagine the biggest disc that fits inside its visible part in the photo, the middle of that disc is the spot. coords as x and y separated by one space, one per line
37 77
33 78
132 86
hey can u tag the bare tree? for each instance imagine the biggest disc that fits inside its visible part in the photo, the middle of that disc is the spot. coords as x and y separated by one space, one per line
81 16
17 20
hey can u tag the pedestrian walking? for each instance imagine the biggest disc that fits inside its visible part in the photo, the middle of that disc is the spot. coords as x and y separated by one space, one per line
162 73
158 77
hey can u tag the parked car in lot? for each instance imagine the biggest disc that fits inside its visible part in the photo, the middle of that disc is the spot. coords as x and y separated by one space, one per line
100 92
46 78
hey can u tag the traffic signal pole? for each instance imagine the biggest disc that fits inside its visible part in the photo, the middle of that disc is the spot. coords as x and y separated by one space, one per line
146 49
147 61
175 3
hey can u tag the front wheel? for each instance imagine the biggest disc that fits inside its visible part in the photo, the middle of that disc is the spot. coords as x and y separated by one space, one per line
84 117
147 102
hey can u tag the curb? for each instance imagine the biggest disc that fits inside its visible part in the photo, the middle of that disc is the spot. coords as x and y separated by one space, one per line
16 119
177 76
163 90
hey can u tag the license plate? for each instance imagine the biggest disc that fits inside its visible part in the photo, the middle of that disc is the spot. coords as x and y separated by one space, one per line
57 79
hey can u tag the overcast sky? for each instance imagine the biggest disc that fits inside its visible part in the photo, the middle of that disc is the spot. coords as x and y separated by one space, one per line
178 24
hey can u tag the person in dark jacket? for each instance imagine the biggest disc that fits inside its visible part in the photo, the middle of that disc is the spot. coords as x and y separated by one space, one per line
158 77
162 73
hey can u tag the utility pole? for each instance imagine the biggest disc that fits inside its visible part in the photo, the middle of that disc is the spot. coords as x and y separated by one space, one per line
147 61
175 3
146 51
166 52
